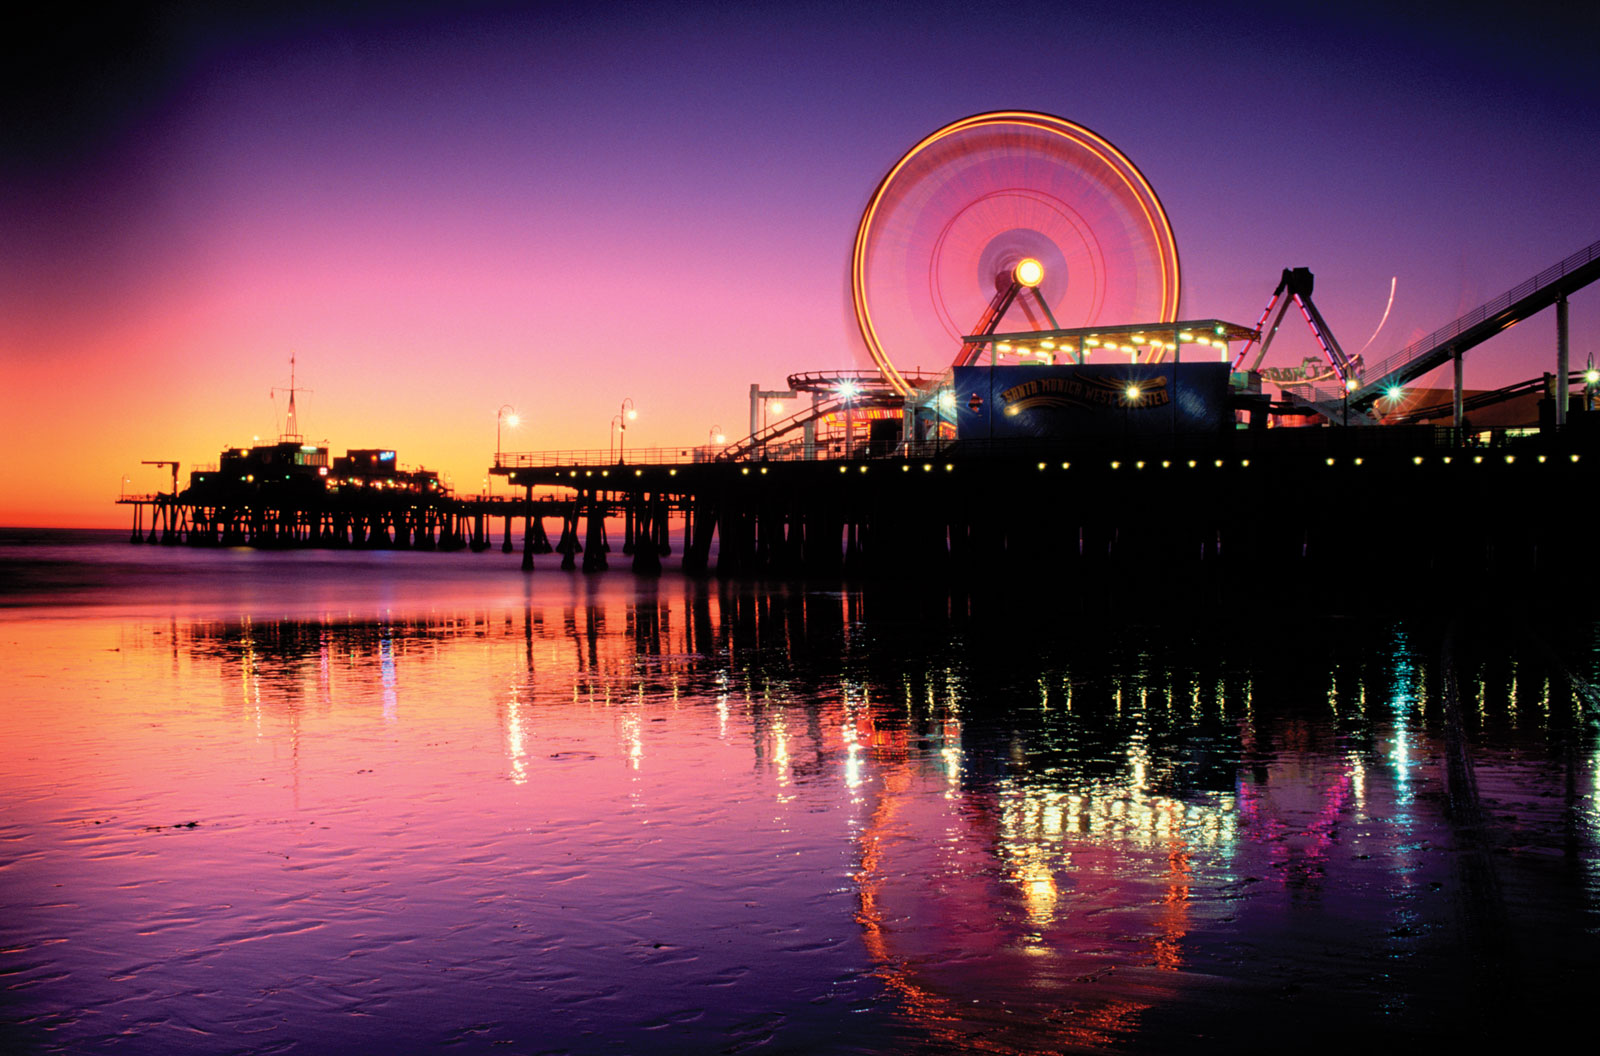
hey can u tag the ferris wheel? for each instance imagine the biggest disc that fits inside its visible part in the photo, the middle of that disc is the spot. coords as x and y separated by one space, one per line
1001 204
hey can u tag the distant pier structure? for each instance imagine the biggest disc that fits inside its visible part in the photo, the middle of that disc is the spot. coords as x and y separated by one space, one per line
292 494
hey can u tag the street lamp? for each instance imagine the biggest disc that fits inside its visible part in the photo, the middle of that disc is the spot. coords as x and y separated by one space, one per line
848 391
619 422
501 417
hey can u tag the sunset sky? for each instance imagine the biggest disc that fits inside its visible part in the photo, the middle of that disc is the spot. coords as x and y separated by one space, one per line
440 209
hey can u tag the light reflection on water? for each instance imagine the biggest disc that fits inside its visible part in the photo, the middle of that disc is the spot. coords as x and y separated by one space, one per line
680 816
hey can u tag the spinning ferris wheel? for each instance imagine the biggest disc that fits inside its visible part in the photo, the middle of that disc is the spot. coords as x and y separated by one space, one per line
1011 211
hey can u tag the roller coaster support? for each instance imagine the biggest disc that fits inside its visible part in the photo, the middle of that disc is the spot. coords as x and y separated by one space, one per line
1561 359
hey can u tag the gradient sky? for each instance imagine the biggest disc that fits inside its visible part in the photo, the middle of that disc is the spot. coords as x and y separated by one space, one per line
441 209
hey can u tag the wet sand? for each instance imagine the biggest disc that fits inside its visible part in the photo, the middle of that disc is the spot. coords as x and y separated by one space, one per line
280 811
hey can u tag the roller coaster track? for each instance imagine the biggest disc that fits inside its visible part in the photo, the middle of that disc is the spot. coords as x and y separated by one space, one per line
870 389
1472 329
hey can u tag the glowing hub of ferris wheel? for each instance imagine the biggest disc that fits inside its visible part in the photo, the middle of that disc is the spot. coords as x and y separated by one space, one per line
1005 201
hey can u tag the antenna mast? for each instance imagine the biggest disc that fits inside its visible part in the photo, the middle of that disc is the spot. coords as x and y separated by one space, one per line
291 426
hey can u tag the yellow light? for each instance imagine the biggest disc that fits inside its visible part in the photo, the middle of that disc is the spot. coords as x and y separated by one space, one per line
1139 464
1166 463
1093 342
632 414
1416 460
1132 392
1116 465
903 469
927 467
1002 347
763 470
1047 343
1068 465
1030 272
843 469
638 472
744 471
1191 463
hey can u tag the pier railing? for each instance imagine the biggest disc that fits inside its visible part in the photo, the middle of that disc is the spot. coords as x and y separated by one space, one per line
1391 439
633 456
1395 365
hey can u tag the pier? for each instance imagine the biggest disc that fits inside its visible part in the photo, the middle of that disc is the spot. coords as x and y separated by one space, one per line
1284 503
1110 445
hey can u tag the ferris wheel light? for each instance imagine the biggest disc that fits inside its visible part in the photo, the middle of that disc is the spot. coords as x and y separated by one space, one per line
1047 159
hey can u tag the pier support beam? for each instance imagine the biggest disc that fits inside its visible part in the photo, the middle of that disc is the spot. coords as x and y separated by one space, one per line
594 548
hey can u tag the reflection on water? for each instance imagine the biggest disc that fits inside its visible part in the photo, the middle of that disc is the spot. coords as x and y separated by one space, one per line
673 815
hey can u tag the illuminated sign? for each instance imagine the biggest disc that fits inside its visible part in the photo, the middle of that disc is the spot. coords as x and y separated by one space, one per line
1016 400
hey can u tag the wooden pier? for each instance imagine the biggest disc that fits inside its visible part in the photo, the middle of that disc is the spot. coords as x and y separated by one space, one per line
1350 504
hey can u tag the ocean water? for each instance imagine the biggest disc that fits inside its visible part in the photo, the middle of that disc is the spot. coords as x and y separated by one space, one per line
307 802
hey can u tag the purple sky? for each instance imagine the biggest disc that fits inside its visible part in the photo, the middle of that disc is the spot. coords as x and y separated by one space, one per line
441 213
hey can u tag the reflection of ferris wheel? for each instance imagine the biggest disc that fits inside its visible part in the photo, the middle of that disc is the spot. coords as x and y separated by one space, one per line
1000 211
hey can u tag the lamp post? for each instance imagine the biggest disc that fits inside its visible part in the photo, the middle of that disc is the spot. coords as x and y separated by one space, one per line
848 391
620 422
501 417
